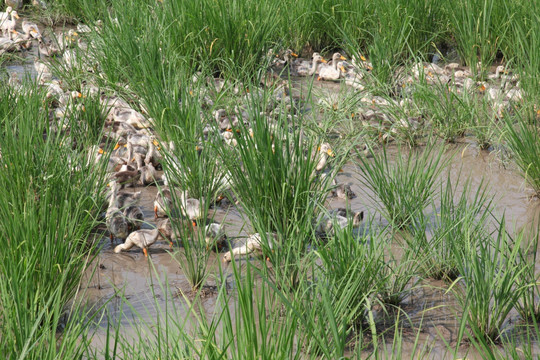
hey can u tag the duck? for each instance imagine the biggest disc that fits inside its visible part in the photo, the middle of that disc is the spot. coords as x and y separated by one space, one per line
127 177
170 232
47 48
253 245
140 238
323 151
7 45
162 202
31 29
340 218
4 15
45 74
215 236
191 208
148 171
8 23
66 40
309 70
343 191
116 221
333 70
131 117
126 199
134 217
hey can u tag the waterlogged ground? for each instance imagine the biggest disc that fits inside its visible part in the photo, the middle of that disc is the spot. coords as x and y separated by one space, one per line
144 282
429 306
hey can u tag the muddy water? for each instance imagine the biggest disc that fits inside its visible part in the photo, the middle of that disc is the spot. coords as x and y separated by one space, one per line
428 306
131 276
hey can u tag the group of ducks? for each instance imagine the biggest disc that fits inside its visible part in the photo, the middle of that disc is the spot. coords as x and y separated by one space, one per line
338 68
137 155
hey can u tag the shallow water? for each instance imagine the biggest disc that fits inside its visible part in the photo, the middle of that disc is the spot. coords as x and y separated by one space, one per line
131 276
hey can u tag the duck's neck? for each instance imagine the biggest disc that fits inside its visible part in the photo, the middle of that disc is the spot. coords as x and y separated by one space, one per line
314 67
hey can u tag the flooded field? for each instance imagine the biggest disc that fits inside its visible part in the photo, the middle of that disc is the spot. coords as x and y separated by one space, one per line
178 182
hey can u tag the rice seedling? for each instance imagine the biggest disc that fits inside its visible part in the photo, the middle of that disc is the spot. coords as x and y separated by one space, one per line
405 187
522 140
439 243
49 206
478 27
488 287
276 181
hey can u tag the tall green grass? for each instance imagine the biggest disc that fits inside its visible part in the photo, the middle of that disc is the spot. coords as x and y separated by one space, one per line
49 202
405 185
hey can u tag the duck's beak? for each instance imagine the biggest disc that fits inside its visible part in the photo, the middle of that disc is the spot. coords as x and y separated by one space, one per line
16 16
100 151
194 223
155 142
116 146
324 61
294 54
342 57
363 58
482 88
109 185
75 33
79 95
331 153
342 68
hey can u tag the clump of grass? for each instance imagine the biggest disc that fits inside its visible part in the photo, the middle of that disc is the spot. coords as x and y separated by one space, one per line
439 243
406 186
523 141
489 287
276 182
478 27
49 200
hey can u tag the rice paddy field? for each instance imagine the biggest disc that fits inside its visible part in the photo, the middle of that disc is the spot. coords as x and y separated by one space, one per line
269 179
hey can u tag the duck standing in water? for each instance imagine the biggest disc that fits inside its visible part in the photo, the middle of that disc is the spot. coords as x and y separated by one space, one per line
140 238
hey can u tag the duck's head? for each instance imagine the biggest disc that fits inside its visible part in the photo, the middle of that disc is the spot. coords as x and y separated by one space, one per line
15 14
325 148
337 56
9 9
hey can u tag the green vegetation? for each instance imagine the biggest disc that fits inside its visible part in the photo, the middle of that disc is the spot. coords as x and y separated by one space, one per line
344 294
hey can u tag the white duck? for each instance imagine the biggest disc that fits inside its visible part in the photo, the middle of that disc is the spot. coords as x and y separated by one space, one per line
333 70
140 238
306 70
191 208
253 245
8 25
321 156
31 29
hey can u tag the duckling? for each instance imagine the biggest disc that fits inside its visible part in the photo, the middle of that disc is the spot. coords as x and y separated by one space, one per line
162 202
253 245
134 217
343 191
215 236
322 154
140 238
